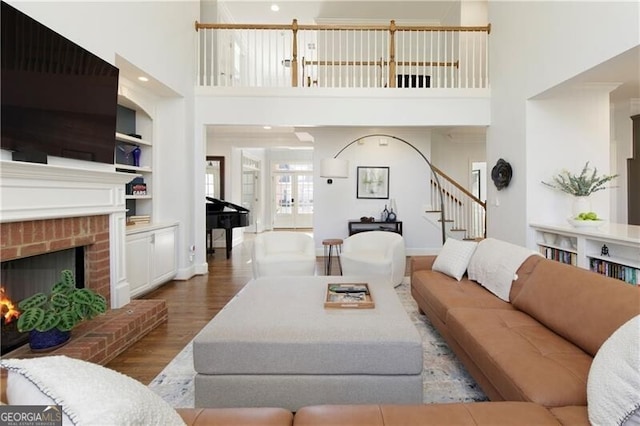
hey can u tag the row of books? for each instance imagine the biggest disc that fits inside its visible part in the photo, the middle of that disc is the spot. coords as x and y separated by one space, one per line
559 255
627 274
139 219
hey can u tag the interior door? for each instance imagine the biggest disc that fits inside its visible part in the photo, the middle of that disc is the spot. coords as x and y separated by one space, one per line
293 200
250 197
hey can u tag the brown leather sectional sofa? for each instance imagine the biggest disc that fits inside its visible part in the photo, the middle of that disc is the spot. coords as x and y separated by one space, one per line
539 346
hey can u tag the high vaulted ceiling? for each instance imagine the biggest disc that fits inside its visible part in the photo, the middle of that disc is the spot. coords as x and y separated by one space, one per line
354 11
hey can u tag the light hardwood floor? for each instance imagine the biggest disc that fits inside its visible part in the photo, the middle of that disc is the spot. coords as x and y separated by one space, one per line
191 306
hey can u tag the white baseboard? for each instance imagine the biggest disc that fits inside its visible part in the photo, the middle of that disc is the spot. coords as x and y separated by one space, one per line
184 274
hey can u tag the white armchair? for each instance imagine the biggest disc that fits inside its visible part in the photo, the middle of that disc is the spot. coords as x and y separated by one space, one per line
374 253
281 253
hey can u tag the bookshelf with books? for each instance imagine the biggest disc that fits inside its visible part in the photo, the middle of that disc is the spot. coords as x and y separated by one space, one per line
611 249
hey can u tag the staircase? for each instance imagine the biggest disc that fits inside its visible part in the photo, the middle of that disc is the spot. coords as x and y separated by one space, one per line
464 214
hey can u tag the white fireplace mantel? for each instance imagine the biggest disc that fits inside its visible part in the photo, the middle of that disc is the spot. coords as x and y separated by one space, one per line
31 191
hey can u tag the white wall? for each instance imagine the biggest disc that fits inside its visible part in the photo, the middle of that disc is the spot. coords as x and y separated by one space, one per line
158 38
563 133
535 46
455 155
335 204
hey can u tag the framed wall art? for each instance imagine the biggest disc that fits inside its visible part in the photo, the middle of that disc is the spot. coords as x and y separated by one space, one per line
373 182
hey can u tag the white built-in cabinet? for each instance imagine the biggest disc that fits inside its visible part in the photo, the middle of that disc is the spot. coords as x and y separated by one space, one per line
611 249
151 257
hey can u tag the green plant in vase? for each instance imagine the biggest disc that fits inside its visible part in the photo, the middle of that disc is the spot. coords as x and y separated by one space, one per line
581 186
60 311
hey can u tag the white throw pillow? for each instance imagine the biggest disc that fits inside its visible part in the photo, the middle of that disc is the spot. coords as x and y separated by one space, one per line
88 394
454 257
613 385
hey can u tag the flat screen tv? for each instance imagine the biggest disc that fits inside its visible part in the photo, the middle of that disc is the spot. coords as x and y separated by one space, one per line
58 98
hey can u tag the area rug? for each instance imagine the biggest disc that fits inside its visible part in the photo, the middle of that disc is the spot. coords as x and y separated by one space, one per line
444 378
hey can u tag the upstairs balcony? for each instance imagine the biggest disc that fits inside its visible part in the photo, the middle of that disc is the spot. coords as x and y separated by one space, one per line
352 76
343 56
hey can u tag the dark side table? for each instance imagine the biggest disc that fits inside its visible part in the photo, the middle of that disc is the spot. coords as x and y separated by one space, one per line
330 245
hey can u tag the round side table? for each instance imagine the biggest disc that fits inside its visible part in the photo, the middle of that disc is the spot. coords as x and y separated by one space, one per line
329 245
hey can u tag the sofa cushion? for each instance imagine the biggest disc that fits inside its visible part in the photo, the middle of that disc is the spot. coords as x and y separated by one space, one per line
613 387
454 257
87 393
443 292
264 416
580 305
472 414
524 360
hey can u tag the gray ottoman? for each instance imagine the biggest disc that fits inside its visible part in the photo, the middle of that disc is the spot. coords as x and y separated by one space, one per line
276 345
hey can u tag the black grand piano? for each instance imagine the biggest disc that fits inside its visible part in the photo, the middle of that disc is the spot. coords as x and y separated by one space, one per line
224 215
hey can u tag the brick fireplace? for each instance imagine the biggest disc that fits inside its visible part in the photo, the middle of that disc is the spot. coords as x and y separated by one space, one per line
51 207
33 237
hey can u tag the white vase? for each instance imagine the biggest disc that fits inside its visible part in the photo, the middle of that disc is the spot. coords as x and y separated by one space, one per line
580 205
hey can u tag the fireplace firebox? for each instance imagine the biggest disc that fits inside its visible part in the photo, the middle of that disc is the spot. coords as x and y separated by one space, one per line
23 277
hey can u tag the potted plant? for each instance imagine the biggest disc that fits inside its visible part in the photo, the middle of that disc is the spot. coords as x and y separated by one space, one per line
581 186
50 319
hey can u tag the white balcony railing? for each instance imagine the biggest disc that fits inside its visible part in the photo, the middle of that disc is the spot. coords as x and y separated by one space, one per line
391 56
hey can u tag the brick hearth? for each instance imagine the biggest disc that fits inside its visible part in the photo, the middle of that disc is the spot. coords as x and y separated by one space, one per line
107 336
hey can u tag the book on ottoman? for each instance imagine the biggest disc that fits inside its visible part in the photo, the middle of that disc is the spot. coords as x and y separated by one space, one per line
349 295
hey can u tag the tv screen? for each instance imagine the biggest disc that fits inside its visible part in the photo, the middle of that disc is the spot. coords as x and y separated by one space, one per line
57 98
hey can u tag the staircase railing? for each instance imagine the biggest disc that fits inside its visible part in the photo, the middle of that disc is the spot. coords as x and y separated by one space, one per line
465 211
293 55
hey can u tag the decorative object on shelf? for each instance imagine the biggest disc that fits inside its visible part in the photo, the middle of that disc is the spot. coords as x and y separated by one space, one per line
580 205
580 185
565 243
136 156
373 182
605 250
501 174
549 238
391 217
64 308
384 215
339 168
580 223
137 186
365 219
130 154
393 211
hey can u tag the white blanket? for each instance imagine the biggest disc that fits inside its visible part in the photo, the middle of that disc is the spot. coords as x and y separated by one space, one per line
613 384
494 265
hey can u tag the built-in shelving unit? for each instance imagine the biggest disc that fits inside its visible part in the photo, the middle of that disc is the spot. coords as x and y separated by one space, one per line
135 121
611 249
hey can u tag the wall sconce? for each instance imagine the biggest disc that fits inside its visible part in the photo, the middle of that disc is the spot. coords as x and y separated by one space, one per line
335 168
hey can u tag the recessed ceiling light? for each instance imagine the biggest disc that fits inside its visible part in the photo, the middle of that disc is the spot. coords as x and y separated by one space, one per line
275 8
143 78
266 127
